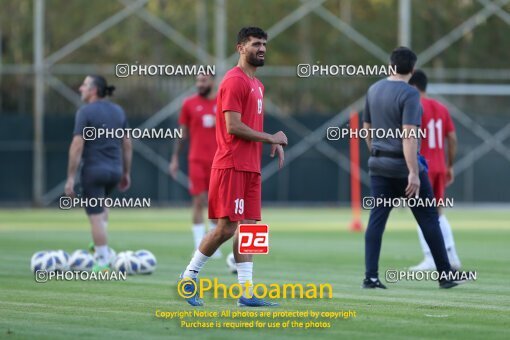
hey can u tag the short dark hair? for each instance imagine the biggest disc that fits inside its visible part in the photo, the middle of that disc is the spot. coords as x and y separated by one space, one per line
102 87
246 32
420 80
403 59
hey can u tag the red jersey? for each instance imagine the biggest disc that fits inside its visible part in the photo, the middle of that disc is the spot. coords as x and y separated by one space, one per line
239 93
438 124
198 115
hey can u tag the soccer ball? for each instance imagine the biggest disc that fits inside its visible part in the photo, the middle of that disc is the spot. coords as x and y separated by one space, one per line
231 263
61 260
81 260
147 261
127 262
42 260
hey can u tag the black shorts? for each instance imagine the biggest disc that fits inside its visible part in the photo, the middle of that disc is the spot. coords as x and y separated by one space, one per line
98 183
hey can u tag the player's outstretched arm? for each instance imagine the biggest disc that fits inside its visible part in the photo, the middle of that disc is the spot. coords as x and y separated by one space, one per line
368 140
410 146
452 151
75 152
127 156
173 167
237 128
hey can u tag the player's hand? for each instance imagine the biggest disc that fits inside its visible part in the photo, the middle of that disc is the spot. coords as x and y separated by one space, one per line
125 182
278 149
279 138
413 185
450 176
69 188
173 168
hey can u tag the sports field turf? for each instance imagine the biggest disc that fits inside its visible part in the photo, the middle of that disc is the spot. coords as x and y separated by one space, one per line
306 245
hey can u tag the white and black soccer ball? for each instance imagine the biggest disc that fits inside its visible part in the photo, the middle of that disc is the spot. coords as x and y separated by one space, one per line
148 261
61 260
42 260
127 262
81 260
231 263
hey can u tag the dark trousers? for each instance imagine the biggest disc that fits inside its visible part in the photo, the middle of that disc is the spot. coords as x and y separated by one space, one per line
98 182
426 217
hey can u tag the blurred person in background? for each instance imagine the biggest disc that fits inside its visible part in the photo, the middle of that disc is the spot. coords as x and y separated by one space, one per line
106 162
198 123
440 129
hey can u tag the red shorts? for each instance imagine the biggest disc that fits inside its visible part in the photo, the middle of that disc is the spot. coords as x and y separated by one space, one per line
234 194
438 182
199 176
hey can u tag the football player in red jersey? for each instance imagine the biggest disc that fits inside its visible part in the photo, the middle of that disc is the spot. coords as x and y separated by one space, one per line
439 126
235 188
197 120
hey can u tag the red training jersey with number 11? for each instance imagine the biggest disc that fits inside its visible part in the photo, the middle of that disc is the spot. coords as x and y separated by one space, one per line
438 124
239 93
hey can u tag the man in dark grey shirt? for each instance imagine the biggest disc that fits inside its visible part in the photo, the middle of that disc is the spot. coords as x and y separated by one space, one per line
104 153
395 104
395 169
106 160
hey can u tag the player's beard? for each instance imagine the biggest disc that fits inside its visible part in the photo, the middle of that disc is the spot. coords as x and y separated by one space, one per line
204 91
253 61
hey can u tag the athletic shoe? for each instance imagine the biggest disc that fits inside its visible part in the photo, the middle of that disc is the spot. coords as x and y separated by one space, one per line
255 302
369 284
426 264
455 265
454 259
194 300
445 284
463 278
100 268
92 247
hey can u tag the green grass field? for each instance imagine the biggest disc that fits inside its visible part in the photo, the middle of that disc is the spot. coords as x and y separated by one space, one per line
307 245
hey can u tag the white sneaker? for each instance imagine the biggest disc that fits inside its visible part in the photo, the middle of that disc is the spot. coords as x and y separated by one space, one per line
454 259
426 264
